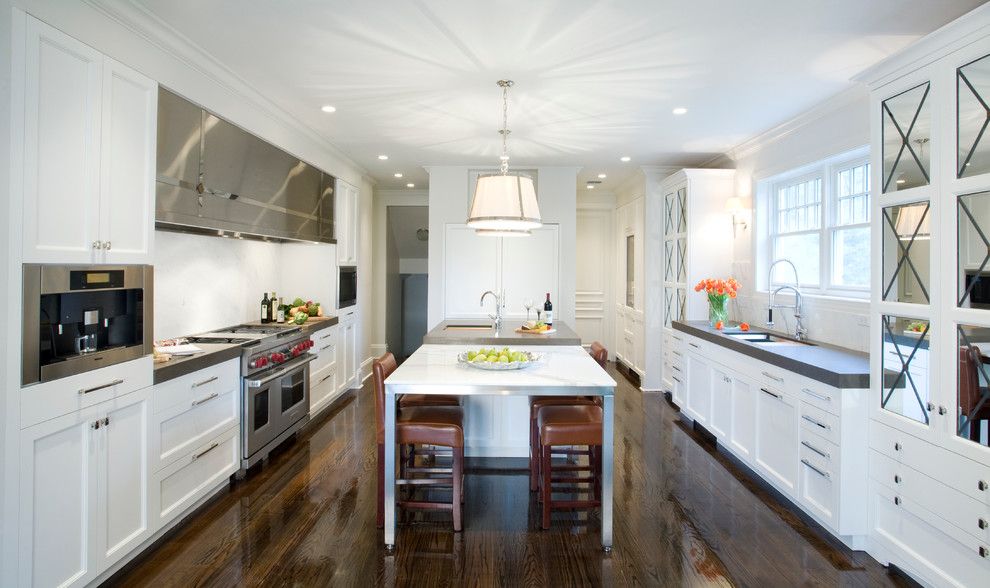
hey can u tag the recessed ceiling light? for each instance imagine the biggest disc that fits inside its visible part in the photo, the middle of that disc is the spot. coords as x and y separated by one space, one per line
410 185
590 186
901 181
602 176
625 159
397 174
328 108
679 110
383 157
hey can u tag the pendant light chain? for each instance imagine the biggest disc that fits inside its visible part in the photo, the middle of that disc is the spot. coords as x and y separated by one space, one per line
505 85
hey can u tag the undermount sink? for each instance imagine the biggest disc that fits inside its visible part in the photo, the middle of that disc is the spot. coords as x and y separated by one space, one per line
468 328
764 339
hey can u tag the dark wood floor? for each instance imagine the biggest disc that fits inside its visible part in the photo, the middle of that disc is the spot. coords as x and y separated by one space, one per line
685 515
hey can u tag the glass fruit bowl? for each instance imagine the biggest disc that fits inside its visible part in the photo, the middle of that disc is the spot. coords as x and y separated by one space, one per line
516 360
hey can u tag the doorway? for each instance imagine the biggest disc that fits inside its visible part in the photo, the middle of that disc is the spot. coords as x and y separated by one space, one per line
406 269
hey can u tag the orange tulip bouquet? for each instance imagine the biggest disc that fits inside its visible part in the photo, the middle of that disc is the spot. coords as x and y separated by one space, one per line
719 292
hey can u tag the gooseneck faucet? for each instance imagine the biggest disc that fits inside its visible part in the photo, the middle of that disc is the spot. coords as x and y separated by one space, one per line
800 332
499 305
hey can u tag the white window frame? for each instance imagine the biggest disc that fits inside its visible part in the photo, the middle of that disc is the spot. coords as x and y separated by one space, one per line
827 170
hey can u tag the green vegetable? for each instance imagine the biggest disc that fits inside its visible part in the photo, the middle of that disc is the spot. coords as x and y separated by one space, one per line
300 318
312 310
298 302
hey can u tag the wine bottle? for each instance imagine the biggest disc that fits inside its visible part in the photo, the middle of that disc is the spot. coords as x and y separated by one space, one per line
548 311
280 314
272 308
265 308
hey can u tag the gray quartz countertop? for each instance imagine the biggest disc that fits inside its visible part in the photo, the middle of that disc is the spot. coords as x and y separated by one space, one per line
458 332
830 364
180 365
214 353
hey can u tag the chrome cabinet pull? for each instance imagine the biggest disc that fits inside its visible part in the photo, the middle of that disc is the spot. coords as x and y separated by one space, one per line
101 386
207 399
821 473
817 395
327 346
929 407
773 377
675 352
984 552
897 479
205 382
815 422
696 346
326 377
824 454
676 379
97 245
942 410
777 396
675 368
982 523
897 446
897 500
983 485
106 245
212 446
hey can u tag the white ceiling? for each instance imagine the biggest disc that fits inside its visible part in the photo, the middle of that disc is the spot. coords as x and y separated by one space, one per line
595 79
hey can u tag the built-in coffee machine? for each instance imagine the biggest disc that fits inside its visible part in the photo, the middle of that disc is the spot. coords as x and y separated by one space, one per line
80 318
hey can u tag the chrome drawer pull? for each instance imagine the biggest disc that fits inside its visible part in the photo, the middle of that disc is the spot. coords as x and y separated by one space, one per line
212 446
696 346
983 485
816 450
818 423
676 379
982 523
207 399
773 377
816 470
676 352
205 382
777 396
101 386
326 377
984 552
675 368
327 346
817 395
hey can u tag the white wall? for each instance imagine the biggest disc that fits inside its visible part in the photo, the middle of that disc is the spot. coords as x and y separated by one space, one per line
9 296
449 197
837 125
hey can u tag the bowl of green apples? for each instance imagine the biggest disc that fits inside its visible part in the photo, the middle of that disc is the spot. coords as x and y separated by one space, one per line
491 358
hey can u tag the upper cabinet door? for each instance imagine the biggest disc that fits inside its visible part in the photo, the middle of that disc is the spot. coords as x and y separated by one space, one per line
346 222
470 268
127 187
62 116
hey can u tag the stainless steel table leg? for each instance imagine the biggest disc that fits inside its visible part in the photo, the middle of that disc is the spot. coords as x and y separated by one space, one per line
389 467
608 451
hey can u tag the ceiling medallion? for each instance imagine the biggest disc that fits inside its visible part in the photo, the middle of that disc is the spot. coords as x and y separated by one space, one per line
504 204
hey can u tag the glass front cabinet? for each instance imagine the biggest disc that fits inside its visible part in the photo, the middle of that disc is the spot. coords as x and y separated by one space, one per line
930 307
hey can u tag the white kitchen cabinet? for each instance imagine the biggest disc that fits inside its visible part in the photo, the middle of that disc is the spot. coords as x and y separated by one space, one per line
742 418
179 486
84 493
721 403
348 356
346 211
629 296
323 372
699 389
777 438
88 152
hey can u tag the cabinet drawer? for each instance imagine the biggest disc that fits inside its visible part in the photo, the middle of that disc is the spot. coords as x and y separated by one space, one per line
326 356
963 474
48 400
819 486
921 539
183 427
820 422
819 395
322 390
198 387
775 377
180 485
967 514
821 448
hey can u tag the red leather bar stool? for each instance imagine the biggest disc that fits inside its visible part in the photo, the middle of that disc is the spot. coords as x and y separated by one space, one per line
576 425
420 425
600 354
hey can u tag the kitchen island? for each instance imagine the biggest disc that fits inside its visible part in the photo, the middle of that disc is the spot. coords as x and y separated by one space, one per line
566 370
480 332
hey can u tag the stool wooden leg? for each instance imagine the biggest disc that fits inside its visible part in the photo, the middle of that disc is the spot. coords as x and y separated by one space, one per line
381 485
545 489
456 498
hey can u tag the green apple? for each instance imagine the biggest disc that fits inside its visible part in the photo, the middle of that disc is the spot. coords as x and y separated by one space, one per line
479 358
492 358
503 359
471 355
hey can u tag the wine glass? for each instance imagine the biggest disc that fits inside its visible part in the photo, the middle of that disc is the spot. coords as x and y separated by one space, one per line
528 303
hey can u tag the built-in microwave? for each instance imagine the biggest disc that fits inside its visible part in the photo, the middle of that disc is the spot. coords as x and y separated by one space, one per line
347 287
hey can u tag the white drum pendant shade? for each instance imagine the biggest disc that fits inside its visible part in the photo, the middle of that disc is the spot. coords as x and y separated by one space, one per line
504 203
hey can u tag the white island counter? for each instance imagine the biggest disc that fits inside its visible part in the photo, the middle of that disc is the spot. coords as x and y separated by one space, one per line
564 371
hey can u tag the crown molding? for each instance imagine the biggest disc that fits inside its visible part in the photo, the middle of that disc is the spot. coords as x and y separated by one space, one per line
148 26
847 97
955 35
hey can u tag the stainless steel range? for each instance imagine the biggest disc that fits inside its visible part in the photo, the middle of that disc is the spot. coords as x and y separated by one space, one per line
274 384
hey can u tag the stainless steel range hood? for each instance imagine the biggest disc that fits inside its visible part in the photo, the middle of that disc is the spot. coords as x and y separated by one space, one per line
215 178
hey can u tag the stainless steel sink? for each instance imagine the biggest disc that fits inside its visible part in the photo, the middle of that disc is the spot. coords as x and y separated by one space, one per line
468 328
764 338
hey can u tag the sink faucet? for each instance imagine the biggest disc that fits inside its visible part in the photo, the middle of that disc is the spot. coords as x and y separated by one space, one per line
499 305
800 332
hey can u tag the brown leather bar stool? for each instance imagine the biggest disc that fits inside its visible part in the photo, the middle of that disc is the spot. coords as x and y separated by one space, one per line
420 425
576 425
411 400
599 354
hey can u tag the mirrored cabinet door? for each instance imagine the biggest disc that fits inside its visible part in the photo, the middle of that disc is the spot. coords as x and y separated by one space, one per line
906 253
680 205
668 307
630 271
973 117
905 368
972 417
906 127
973 276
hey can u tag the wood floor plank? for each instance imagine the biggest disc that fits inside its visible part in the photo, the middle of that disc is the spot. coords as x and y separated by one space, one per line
685 515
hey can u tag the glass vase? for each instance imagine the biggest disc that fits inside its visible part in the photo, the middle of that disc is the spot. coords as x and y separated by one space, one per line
718 311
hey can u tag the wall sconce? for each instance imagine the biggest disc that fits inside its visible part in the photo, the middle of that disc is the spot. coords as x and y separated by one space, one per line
734 206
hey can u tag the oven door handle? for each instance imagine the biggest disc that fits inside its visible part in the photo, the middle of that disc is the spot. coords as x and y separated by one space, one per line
282 372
